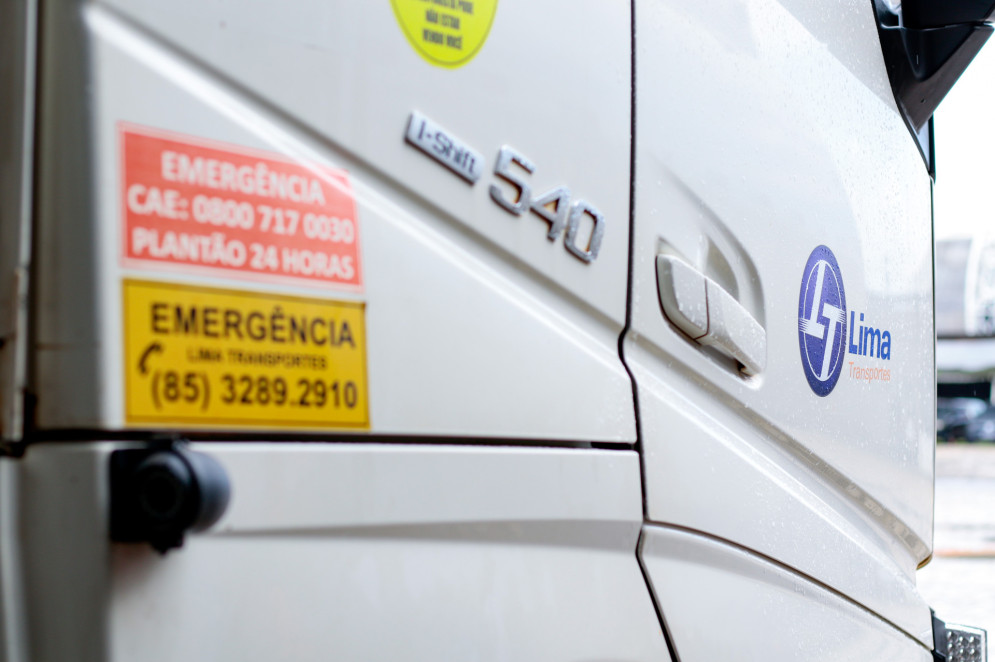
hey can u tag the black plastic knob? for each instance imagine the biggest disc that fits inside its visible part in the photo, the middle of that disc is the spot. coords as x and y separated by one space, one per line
160 494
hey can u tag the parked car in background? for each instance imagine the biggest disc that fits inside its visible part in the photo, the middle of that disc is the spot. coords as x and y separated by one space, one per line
955 415
981 427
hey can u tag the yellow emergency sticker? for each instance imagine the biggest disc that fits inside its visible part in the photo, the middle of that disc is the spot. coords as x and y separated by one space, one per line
225 358
447 33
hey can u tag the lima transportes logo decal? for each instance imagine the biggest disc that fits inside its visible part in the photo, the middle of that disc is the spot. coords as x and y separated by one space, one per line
822 321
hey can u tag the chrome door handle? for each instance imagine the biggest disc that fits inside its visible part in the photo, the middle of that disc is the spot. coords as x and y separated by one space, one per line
702 309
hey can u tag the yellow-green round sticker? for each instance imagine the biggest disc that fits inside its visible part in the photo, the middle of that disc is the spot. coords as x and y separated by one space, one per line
447 33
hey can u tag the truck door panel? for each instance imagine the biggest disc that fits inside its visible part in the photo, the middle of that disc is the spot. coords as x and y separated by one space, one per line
741 188
477 323
698 581
351 551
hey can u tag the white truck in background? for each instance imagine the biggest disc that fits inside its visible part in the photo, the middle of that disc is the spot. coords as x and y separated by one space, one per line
470 329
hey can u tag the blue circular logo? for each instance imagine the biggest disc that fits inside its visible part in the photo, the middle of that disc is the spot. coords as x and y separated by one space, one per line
822 321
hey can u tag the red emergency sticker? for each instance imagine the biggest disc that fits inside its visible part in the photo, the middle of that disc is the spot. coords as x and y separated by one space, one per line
198 206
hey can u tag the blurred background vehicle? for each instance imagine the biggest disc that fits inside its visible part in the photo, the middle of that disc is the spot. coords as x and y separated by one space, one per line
979 428
965 313
955 415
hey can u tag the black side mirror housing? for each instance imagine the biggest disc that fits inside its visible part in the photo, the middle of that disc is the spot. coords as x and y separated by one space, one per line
925 14
927 45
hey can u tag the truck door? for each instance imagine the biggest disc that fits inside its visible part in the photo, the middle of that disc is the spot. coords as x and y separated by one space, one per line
781 336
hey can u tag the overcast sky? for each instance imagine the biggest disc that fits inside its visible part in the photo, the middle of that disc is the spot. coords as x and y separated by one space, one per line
965 152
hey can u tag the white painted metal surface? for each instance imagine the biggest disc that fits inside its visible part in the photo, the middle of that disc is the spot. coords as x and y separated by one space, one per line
477 323
359 552
724 603
744 186
481 327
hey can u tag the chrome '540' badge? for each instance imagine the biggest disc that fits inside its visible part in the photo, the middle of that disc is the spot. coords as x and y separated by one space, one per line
581 223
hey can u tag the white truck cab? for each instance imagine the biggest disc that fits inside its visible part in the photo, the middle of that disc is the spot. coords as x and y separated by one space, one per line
470 329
